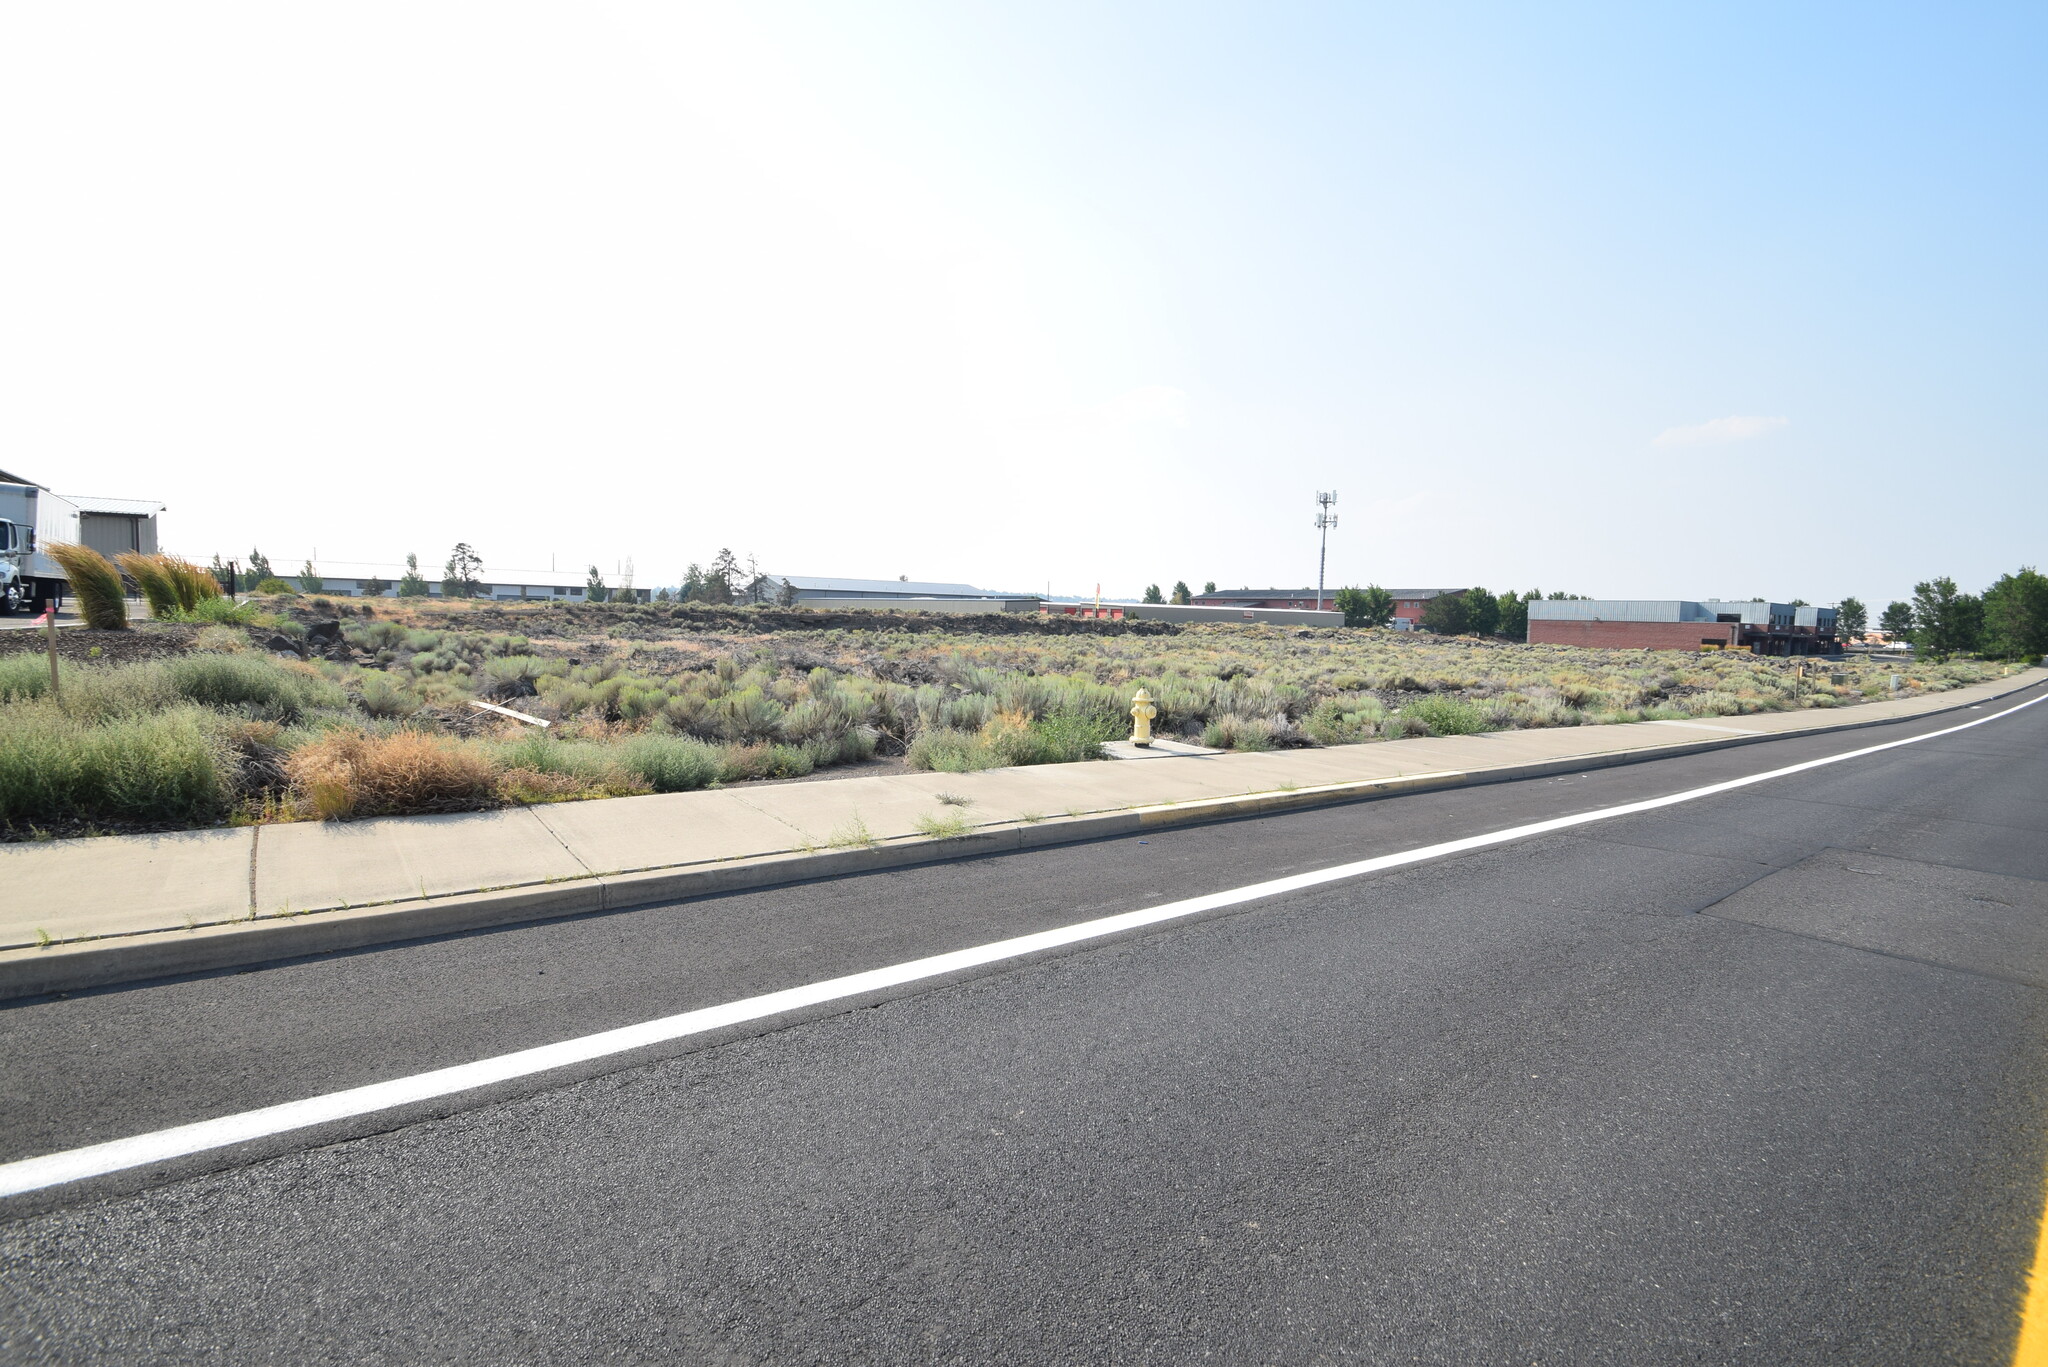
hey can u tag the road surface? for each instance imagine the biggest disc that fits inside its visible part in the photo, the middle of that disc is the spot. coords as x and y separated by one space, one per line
1758 1077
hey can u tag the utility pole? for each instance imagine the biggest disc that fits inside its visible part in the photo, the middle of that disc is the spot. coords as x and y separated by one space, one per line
1325 519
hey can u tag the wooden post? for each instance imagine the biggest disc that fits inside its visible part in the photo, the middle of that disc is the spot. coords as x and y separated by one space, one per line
50 621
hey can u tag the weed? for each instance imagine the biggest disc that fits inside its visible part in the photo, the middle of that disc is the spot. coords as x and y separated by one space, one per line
954 799
853 835
43 940
950 827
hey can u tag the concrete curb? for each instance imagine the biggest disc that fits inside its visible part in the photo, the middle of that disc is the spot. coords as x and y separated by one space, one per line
79 965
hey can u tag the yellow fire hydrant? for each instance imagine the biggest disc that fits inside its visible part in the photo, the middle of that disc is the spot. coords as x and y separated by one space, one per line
1142 713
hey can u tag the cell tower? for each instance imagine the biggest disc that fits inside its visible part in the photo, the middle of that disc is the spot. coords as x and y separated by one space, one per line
1325 519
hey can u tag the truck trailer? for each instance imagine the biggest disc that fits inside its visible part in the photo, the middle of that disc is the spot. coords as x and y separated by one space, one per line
30 519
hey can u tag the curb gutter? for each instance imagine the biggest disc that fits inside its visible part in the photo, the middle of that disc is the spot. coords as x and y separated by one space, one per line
78 965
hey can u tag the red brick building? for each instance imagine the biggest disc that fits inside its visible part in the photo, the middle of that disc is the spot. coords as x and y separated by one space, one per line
1760 627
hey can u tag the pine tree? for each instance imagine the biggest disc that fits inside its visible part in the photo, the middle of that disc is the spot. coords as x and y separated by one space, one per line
722 583
412 584
1182 595
459 575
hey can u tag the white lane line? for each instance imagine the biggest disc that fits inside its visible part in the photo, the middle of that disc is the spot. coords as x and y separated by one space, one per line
97 1160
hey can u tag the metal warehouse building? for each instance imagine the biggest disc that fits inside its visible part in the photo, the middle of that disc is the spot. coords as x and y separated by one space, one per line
1681 624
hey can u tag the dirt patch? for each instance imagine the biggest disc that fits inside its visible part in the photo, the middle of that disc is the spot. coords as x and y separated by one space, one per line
155 641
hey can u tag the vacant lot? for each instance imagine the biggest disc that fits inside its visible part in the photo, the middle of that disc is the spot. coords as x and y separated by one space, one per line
340 709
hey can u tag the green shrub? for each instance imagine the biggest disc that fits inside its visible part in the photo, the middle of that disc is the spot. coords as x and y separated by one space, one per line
26 675
671 764
273 690
384 696
94 583
544 753
374 635
1446 716
168 766
739 762
1338 721
1066 739
274 585
224 611
511 674
98 693
1231 732
947 751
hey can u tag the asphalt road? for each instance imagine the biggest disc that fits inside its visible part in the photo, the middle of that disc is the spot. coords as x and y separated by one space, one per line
1757 1078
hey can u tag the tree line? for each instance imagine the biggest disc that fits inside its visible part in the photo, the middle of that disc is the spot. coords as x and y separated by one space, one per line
1181 596
1469 612
726 580
2008 621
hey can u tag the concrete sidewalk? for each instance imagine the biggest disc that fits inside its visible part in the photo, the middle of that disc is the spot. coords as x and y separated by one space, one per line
85 912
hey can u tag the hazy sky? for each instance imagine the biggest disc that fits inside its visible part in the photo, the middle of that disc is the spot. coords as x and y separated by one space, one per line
1631 300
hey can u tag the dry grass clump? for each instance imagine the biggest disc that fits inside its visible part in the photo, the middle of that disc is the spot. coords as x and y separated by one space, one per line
153 578
350 773
95 583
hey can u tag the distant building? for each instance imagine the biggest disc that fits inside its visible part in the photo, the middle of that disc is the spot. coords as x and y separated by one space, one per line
1269 598
349 578
115 526
1680 624
1408 603
808 587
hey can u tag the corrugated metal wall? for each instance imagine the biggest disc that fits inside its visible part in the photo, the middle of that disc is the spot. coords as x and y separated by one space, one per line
1617 610
112 536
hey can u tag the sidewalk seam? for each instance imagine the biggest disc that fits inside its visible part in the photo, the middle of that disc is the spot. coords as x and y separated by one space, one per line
581 862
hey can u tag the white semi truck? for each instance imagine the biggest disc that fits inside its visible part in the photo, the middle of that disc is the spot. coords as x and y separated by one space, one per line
31 518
